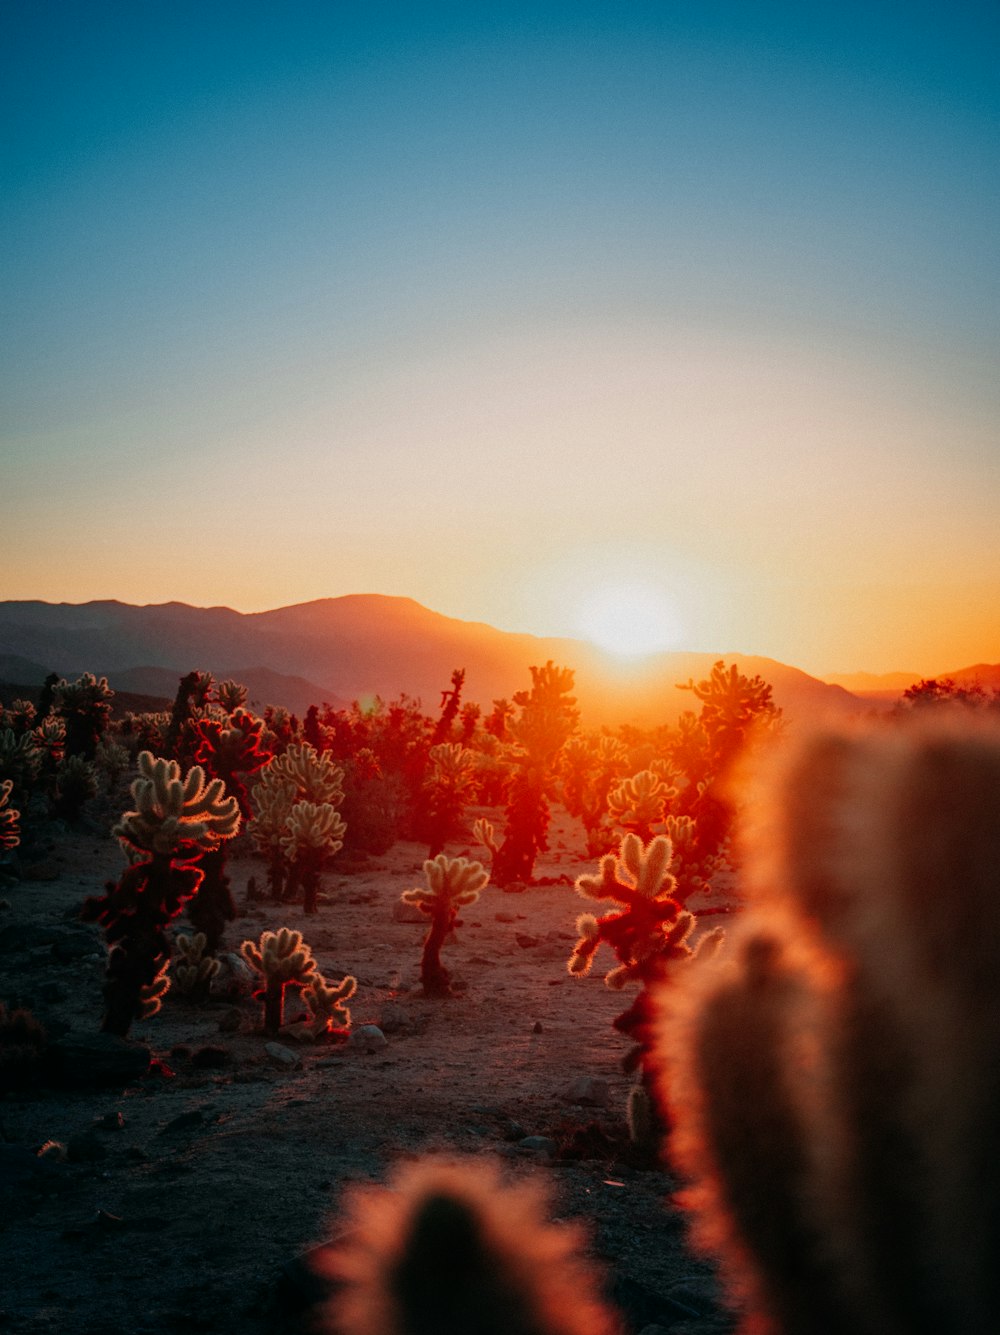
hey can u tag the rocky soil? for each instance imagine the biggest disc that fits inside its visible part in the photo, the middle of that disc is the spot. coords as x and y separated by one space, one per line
187 1196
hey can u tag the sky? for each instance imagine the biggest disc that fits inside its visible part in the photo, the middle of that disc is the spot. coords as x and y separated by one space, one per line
526 311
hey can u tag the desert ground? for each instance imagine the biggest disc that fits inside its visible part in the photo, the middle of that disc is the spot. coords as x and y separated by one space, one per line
189 1198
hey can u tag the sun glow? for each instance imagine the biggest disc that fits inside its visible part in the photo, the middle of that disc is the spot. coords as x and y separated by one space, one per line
629 619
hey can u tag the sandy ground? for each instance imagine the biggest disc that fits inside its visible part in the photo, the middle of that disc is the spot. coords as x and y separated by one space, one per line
187 1196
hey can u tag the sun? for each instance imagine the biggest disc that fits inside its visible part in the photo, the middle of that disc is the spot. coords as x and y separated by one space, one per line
629 619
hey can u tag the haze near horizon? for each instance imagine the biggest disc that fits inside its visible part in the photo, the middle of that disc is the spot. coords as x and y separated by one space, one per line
542 317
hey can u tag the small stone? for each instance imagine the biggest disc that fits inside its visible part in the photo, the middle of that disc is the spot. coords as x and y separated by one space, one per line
525 941
395 1019
183 1122
537 1027
368 1038
589 1092
539 1145
514 888
284 1058
230 1021
506 917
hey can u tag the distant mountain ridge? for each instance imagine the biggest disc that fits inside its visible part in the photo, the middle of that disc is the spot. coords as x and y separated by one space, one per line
336 650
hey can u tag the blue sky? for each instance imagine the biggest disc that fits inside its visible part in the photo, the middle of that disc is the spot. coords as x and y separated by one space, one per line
477 303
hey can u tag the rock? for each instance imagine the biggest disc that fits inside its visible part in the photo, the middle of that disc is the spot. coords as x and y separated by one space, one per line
537 1027
525 941
539 1145
210 1057
368 1038
514 888
589 1092
97 1059
231 1021
507 917
186 1121
284 1058
235 977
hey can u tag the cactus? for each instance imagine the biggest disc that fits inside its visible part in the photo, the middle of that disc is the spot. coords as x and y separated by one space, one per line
446 791
85 707
231 695
314 832
648 931
325 1003
193 972
450 1248
451 883
273 797
833 1083
174 822
76 783
10 829
639 803
284 960
316 777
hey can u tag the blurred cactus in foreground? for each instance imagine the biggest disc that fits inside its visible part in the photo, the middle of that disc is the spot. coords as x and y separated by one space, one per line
451 1249
833 1085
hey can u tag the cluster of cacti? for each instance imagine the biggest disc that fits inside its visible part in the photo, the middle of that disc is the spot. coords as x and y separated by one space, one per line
647 930
76 782
449 1248
547 719
452 883
639 804
297 823
175 821
284 961
833 1083
590 765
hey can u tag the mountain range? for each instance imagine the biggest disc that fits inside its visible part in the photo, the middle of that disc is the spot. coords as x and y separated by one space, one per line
336 650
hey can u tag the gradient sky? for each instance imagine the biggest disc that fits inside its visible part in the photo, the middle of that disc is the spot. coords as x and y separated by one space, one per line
499 305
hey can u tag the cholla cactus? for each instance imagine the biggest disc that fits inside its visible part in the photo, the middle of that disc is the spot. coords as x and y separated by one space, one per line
231 695
177 817
313 833
833 1084
451 884
20 761
76 783
648 931
325 1003
194 970
450 1247
229 748
174 822
273 797
284 960
85 707
316 776
112 760
638 804
10 829
151 994
589 766
446 791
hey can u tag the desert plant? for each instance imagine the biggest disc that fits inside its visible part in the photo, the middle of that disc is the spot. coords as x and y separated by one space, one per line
190 703
193 971
313 833
833 1083
10 817
76 783
230 696
325 1003
589 766
446 791
638 804
451 1249
283 960
451 884
547 719
273 798
648 930
112 761
85 707
174 822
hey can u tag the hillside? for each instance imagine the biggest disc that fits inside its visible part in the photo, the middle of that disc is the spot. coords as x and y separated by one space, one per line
362 645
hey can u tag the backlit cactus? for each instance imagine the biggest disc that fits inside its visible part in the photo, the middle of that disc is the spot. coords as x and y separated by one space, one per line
833 1083
177 816
640 803
452 883
192 971
313 833
273 798
283 960
326 1004
85 707
317 778
447 789
10 818
450 1247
